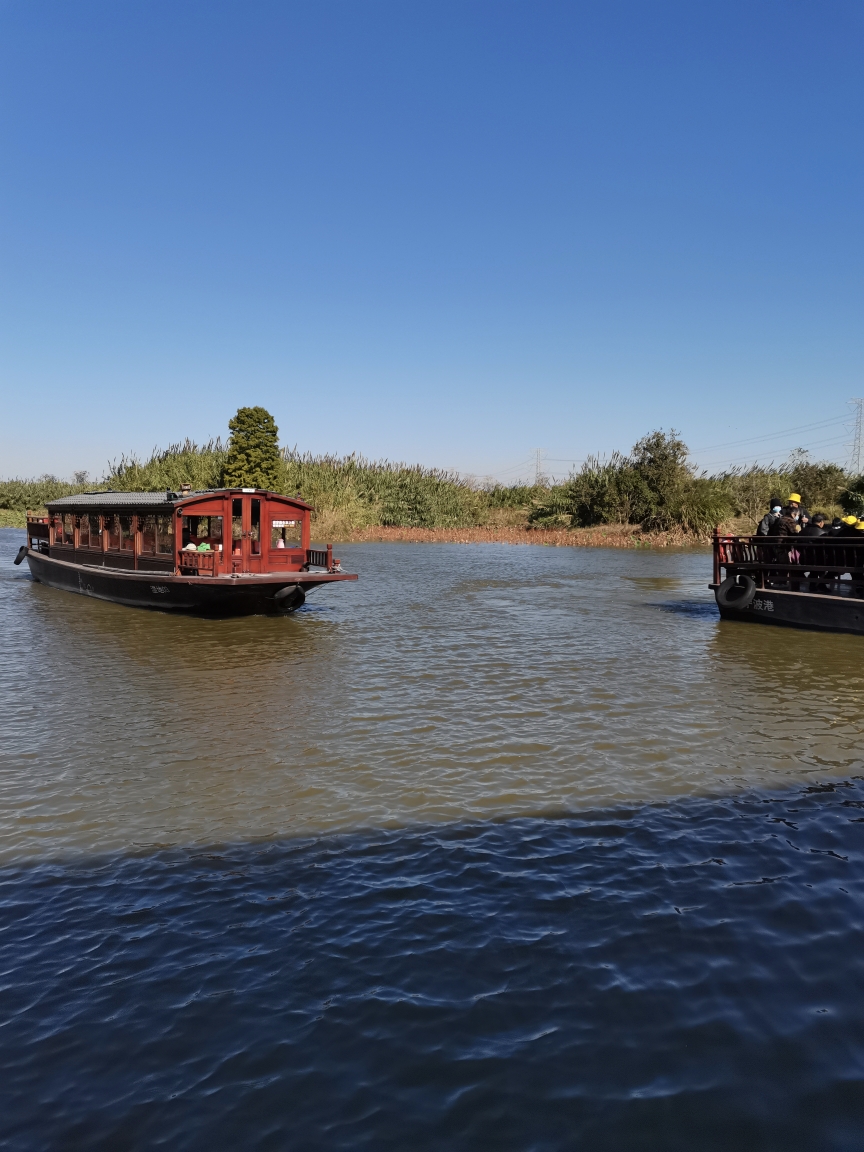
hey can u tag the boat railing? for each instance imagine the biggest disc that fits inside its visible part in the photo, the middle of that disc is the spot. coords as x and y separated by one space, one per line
810 564
198 563
320 557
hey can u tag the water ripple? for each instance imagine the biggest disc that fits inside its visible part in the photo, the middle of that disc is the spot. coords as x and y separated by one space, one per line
666 977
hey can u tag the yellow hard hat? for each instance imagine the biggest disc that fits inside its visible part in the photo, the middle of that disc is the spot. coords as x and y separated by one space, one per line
850 519
794 498
860 525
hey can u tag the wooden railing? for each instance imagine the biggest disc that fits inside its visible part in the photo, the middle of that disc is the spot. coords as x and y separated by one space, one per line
320 557
794 562
198 563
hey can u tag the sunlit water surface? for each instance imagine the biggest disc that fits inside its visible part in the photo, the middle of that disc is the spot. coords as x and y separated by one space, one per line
502 846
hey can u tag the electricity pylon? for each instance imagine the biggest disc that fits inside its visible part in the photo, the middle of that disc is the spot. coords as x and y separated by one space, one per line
857 433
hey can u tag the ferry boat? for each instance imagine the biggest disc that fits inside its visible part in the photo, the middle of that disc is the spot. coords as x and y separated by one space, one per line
814 582
227 551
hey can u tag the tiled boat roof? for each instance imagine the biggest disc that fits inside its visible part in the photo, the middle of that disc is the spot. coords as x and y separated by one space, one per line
153 500
116 500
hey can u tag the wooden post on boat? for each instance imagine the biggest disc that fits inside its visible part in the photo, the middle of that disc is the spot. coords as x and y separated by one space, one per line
716 555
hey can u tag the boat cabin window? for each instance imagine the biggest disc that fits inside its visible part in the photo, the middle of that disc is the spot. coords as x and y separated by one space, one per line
112 531
165 535
127 535
255 534
69 528
236 526
203 530
147 528
285 533
88 531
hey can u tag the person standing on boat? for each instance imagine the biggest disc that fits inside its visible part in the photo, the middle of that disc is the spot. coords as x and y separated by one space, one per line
816 579
816 527
787 524
770 518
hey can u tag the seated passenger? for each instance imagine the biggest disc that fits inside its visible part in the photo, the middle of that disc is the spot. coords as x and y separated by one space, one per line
770 518
816 527
190 547
280 543
850 526
836 525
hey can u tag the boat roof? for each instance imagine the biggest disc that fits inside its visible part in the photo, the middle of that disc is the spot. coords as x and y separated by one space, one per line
155 501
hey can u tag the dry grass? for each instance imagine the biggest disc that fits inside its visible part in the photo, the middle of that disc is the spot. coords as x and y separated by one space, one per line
606 536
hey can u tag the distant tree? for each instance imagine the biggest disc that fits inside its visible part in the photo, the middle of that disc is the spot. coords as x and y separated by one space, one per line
253 459
661 460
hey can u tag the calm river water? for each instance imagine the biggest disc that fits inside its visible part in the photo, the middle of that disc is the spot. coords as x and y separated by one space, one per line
505 847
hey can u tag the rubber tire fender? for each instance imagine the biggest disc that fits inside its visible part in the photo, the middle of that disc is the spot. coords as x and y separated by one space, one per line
736 592
22 552
290 598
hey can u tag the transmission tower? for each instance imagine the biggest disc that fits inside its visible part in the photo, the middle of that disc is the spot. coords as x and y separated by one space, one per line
538 466
857 435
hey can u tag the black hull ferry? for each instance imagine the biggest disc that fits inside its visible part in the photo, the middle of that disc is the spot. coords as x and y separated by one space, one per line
816 582
224 552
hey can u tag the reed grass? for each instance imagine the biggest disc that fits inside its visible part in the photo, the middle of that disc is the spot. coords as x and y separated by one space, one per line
352 494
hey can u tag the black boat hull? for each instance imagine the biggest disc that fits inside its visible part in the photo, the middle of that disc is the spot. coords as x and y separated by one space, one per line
801 610
275 593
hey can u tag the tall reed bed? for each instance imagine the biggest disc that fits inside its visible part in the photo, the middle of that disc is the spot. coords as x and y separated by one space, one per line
653 486
348 493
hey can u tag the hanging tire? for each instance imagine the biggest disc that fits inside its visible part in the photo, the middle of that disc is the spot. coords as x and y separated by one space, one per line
290 598
22 552
736 592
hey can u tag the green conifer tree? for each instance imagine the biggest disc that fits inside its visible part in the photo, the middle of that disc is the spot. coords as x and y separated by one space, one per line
253 451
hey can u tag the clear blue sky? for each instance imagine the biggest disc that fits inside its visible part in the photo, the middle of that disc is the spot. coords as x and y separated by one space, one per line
441 232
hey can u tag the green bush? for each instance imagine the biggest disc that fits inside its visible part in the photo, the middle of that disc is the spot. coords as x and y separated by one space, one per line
601 492
851 499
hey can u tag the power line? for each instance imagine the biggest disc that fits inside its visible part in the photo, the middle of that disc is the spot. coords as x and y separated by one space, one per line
816 425
750 459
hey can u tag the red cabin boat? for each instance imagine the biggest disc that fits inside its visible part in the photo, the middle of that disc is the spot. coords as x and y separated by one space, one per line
228 551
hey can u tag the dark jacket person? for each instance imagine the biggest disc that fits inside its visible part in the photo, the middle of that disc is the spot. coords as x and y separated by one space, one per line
816 527
787 525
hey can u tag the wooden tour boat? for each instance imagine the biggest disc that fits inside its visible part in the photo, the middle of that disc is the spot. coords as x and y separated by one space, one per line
231 551
814 582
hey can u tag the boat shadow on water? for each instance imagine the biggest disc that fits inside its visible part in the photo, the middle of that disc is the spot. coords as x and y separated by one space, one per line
665 977
696 609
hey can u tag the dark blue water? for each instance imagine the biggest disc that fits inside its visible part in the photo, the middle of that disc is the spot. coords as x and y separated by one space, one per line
681 976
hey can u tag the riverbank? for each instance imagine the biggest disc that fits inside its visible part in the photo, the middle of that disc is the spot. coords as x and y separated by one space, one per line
605 536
